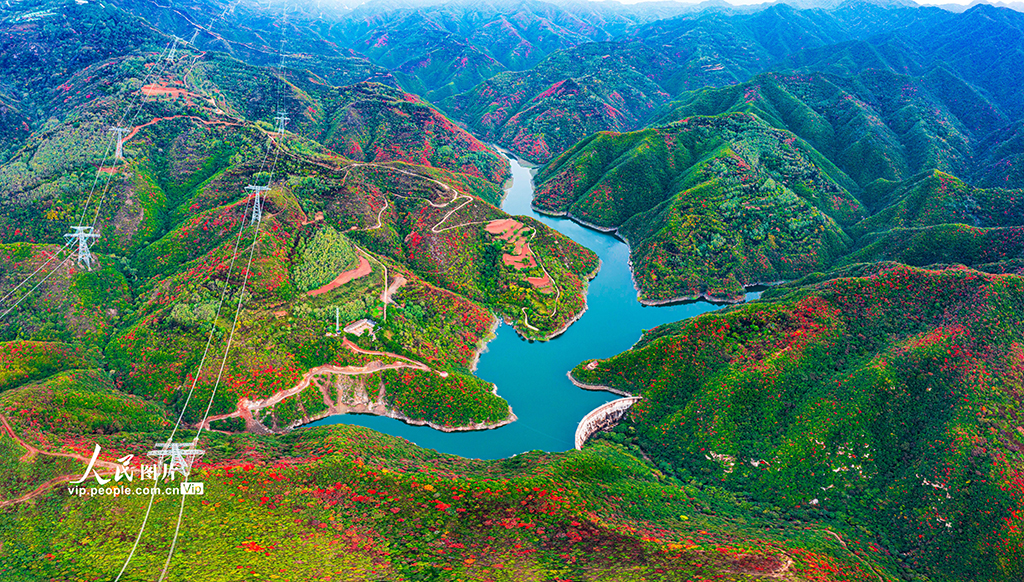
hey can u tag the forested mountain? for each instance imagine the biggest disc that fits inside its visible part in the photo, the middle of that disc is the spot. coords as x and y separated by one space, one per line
881 393
877 124
709 205
448 48
571 95
715 48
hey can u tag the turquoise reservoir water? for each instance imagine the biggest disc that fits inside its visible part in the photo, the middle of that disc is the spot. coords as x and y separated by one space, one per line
531 376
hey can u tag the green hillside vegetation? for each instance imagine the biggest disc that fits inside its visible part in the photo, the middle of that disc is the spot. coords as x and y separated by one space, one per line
709 205
714 48
425 56
282 327
375 123
457 401
72 306
363 121
44 43
933 198
167 278
936 218
441 50
883 396
14 125
877 124
79 402
352 502
941 244
539 113
321 257
25 361
1003 158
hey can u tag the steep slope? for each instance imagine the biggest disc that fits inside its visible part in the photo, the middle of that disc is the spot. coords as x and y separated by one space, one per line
364 121
14 125
374 123
43 44
1001 157
873 125
447 48
982 46
942 244
170 215
985 46
709 204
935 218
883 394
715 48
431 60
541 112
933 198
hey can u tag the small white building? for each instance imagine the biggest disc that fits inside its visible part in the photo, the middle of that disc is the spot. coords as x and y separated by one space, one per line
361 326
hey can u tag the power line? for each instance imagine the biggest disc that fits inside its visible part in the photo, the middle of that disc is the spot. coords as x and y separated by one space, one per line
257 220
33 273
188 398
80 234
41 281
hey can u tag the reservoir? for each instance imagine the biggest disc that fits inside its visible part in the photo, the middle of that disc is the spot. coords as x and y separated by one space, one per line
531 376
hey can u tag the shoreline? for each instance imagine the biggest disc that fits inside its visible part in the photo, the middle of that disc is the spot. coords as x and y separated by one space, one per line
586 291
706 297
596 387
392 413
735 300
358 401
481 348
612 230
562 328
507 188
693 299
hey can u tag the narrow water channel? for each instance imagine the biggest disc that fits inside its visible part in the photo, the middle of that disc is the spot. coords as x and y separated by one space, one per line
531 376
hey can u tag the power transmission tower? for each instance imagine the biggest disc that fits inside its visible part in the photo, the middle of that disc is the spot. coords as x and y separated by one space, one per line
182 455
82 234
257 207
281 120
174 49
120 131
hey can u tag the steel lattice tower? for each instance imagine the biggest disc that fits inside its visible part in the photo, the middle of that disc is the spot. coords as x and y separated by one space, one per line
257 207
120 131
281 120
174 49
182 455
82 234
